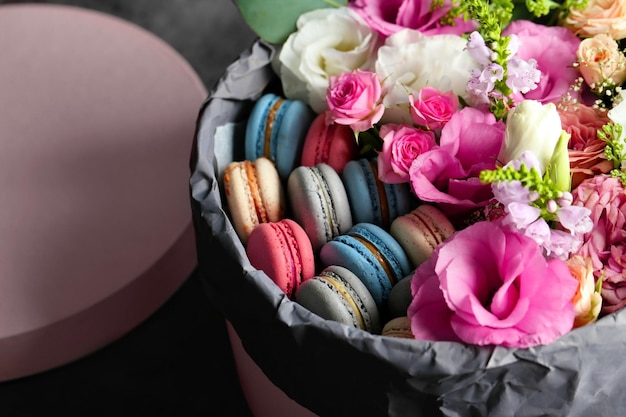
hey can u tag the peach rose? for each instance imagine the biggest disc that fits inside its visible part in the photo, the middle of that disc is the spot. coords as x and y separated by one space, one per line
586 151
588 300
600 61
600 16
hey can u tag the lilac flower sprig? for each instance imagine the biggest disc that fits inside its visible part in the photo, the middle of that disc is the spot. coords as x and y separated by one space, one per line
536 206
522 182
491 49
502 74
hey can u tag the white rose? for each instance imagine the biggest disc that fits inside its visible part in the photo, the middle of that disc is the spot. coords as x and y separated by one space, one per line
531 126
328 41
409 61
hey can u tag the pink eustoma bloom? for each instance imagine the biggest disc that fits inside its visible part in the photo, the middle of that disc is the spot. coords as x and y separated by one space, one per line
487 285
390 16
448 174
554 48
355 99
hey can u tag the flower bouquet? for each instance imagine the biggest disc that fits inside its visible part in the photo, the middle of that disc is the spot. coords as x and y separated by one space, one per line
508 118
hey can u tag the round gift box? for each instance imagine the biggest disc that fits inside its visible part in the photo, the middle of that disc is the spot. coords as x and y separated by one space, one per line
334 370
97 118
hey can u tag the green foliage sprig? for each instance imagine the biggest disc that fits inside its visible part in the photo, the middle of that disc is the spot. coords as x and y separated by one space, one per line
543 187
615 149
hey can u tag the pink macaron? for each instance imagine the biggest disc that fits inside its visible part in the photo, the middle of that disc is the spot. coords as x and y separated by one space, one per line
329 143
420 231
283 251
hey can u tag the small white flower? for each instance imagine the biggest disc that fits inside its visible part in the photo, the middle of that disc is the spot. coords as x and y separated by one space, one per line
618 114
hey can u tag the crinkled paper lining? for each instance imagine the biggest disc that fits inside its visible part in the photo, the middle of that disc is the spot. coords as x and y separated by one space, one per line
334 370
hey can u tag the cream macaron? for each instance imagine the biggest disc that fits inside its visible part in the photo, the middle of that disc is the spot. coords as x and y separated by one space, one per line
420 231
254 193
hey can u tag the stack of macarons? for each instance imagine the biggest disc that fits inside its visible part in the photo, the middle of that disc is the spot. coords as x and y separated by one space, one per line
373 255
314 216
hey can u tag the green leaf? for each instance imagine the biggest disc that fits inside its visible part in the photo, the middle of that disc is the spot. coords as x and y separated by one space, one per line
274 20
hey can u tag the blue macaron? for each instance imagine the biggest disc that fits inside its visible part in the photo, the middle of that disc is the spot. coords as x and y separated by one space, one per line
371 200
276 129
373 255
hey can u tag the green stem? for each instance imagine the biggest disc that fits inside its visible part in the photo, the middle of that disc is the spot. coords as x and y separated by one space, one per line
332 3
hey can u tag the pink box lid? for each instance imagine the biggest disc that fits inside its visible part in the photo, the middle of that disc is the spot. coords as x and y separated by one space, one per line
97 118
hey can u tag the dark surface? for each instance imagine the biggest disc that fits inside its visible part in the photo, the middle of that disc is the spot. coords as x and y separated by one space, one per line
178 362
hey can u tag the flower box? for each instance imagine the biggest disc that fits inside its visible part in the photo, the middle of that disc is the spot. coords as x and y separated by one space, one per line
334 370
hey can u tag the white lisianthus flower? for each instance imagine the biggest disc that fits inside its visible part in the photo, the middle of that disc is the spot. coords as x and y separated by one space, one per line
409 61
531 126
618 113
327 42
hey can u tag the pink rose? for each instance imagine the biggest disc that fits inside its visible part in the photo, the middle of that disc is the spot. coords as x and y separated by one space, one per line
355 99
487 285
401 145
606 243
554 48
433 108
600 61
600 16
447 175
390 16
586 150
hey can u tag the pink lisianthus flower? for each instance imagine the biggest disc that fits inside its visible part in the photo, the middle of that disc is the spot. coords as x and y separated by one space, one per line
433 108
355 99
605 244
401 145
554 49
447 175
487 285
390 16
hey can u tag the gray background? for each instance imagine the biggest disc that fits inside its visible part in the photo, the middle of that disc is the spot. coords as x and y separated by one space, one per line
208 33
